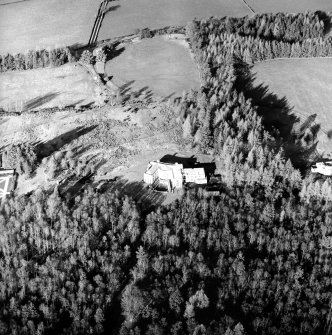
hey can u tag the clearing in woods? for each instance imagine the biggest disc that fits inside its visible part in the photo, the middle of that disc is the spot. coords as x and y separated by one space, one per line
306 84
160 64
117 141
44 88
28 24
124 16
289 6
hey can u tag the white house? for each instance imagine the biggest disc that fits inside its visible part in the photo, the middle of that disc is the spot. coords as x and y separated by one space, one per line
164 174
324 168
6 182
172 175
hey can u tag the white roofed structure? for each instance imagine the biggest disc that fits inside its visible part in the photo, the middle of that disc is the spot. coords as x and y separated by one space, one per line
195 175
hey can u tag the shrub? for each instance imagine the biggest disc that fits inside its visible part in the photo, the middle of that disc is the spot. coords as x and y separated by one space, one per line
86 57
145 33
101 56
21 157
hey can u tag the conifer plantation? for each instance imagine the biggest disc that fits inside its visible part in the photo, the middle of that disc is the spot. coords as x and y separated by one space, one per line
254 260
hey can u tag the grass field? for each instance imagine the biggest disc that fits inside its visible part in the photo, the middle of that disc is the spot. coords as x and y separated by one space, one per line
290 6
161 65
43 88
307 86
45 23
126 15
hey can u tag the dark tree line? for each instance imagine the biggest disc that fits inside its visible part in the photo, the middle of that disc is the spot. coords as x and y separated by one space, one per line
35 59
281 26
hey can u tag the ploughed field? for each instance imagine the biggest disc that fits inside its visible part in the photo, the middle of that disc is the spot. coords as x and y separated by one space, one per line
307 86
125 16
290 6
27 24
46 87
158 66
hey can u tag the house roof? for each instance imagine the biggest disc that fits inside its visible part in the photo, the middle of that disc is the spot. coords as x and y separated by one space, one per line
6 172
167 170
197 172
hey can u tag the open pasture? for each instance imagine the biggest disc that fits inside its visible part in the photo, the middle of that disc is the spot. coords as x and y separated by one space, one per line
159 65
124 16
307 86
289 6
44 88
27 24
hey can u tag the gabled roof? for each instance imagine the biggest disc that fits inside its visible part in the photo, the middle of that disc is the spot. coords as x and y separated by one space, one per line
175 170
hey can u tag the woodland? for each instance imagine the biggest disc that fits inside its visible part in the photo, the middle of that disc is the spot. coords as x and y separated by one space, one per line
254 260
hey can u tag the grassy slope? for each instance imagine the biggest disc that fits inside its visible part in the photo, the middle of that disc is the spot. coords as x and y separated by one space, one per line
161 65
291 6
127 15
307 85
49 87
45 23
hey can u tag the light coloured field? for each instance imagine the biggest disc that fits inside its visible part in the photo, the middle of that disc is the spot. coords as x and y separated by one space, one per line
48 87
159 64
126 15
45 23
307 86
289 6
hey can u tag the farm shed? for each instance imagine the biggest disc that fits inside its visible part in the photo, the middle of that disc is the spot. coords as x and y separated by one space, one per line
6 182
195 175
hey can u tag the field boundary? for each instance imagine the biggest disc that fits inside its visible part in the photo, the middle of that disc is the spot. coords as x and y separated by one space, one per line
98 21
292 58
248 6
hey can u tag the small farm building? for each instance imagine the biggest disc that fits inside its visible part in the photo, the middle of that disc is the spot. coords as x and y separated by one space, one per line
195 175
6 182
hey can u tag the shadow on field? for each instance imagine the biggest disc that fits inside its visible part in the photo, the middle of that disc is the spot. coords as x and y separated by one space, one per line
298 138
112 9
39 101
47 148
113 51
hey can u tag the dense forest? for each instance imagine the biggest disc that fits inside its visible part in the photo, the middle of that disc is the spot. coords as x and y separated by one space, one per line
254 260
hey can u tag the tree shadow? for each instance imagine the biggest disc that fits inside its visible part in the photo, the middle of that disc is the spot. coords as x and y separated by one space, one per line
45 149
323 16
113 50
165 99
39 101
298 138
146 198
111 9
